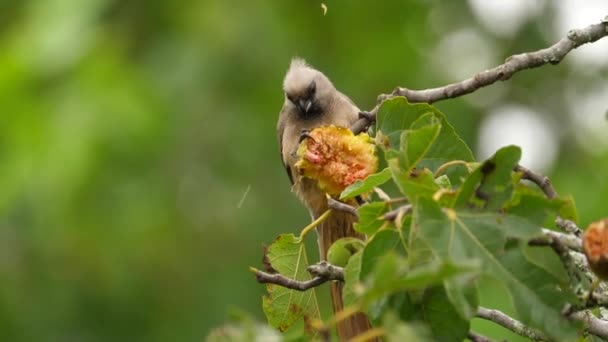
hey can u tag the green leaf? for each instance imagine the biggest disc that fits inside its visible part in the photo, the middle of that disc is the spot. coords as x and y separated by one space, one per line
491 185
392 118
415 143
553 291
462 292
284 307
368 184
392 274
417 183
443 181
461 236
435 309
245 330
398 331
377 246
396 115
370 217
352 273
536 207
546 258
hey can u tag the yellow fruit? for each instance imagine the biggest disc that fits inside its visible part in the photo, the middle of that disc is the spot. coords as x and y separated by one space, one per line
336 158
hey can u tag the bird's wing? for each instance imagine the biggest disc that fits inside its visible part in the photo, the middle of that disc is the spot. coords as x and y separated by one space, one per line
280 131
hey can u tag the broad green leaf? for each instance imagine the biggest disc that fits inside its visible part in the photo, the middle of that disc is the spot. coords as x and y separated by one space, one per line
351 279
397 114
392 274
284 307
435 309
415 183
368 184
415 143
553 291
491 185
443 181
399 331
378 281
462 292
466 195
546 258
378 246
370 217
536 207
391 154
392 118
427 119
461 236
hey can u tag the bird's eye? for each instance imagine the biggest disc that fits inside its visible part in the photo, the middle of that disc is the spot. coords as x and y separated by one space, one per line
291 98
312 88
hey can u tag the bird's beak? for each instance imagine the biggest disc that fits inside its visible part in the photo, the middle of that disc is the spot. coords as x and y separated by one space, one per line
305 105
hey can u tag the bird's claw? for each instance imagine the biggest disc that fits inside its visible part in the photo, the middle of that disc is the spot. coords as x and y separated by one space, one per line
305 134
366 115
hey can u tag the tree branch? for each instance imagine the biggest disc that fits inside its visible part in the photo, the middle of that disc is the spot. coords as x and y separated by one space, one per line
279 279
393 214
542 181
326 270
551 55
569 249
322 272
551 237
341 206
475 337
593 325
569 226
510 323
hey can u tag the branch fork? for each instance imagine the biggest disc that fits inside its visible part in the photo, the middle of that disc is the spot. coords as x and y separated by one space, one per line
322 272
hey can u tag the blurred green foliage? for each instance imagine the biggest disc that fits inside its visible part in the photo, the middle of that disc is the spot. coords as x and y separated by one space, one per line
131 131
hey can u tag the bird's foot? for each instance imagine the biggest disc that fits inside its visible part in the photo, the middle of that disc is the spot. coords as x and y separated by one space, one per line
305 134
366 115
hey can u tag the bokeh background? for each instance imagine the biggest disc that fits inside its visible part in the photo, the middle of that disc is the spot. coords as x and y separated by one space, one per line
139 168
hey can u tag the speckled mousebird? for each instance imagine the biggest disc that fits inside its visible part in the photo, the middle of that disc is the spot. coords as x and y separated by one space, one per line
311 100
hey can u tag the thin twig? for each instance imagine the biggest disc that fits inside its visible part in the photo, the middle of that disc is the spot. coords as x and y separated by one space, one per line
569 226
543 182
593 325
279 279
475 337
551 55
510 323
383 195
315 223
397 200
551 237
341 206
603 313
393 214
368 335
441 169
326 270
322 273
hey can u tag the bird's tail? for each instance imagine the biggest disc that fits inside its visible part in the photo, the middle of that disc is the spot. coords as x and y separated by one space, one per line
337 226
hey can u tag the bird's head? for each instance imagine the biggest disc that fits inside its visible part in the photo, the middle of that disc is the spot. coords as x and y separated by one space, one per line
307 89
